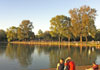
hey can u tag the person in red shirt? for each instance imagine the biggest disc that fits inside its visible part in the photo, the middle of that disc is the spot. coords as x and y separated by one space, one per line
69 64
66 65
95 66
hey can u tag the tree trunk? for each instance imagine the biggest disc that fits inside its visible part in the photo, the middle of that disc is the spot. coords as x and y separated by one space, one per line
86 39
69 40
59 41
74 39
80 38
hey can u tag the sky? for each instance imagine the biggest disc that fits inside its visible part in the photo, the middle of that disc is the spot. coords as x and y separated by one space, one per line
39 12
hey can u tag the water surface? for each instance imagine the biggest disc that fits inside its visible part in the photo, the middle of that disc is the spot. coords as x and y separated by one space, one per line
35 57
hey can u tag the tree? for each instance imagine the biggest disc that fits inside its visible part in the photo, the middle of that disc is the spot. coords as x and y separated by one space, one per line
20 34
97 36
92 29
40 34
2 35
89 30
47 36
31 35
26 27
67 29
80 19
58 25
12 33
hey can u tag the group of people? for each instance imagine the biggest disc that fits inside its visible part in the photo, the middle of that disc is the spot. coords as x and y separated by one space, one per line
68 64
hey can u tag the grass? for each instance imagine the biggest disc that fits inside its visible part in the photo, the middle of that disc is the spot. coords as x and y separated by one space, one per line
56 43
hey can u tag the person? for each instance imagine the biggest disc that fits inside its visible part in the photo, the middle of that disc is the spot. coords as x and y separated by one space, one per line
95 66
66 67
60 65
70 64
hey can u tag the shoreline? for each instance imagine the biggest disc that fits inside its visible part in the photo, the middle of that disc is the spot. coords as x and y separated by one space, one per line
56 43
77 68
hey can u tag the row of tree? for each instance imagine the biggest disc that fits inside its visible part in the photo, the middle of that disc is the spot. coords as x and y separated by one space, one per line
23 32
79 26
46 36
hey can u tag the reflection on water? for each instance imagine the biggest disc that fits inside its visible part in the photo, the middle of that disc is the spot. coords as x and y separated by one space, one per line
27 57
20 52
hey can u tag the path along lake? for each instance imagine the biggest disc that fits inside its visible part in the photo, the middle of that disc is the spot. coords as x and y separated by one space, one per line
36 57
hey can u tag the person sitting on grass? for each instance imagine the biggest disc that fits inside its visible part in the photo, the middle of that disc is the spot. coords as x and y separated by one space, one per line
60 65
95 66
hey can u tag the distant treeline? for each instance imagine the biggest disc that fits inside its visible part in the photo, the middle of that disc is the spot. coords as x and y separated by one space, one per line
80 26
46 36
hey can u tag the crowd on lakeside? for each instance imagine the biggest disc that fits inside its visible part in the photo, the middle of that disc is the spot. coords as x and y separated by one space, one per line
68 64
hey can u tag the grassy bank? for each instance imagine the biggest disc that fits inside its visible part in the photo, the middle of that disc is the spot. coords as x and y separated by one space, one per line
64 43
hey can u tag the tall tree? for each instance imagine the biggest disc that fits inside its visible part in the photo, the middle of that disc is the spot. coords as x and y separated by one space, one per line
20 34
89 30
67 29
26 27
58 25
12 33
80 19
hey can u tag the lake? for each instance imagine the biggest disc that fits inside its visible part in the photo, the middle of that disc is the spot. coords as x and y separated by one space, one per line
35 57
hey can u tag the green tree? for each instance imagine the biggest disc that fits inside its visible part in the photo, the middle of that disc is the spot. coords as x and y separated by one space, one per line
47 36
12 33
80 19
92 29
20 34
89 30
58 25
67 29
31 36
26 27
40 34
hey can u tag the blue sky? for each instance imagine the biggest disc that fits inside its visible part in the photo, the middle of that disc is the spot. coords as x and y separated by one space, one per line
12 12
